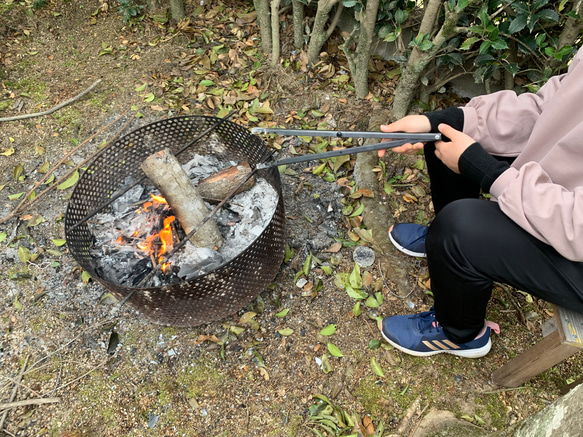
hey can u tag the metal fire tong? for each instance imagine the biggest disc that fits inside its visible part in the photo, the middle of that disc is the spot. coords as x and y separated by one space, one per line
399 140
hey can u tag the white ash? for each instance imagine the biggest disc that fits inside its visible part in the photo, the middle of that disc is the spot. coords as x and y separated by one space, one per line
241 221
202 166
129 198
252 210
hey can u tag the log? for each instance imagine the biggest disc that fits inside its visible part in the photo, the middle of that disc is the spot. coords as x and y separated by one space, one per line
219 185
164 170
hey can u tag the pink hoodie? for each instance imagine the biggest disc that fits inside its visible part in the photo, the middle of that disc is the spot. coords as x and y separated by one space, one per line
543 189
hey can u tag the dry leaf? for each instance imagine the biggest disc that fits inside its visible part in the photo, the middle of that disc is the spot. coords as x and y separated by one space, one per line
334 248
368 426
409 198
202 338
264 373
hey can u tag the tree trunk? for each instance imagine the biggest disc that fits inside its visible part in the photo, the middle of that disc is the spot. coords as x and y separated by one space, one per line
418 60
570 33
318 34
298 17
377 215
275 50
264 21
164 170
512 57
561 418
367 28
177 9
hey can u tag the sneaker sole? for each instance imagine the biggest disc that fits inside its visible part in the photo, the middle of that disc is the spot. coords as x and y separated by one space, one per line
406 251
467 353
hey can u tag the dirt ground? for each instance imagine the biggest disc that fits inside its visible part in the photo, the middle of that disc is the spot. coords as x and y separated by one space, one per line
269 373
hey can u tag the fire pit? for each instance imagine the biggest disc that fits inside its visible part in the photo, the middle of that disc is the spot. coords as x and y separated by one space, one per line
205 297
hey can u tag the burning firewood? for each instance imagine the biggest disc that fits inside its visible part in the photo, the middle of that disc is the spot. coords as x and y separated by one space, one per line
220 184
164 170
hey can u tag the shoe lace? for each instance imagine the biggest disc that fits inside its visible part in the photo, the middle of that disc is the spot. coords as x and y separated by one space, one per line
426 321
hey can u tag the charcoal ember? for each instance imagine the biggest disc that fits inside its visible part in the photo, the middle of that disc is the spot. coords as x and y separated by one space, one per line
122 270
140 270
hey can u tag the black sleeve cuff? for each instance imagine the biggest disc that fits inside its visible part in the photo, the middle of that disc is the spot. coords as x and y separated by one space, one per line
452 116
480 166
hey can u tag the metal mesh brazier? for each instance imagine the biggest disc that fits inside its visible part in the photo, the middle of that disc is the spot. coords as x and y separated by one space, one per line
208 297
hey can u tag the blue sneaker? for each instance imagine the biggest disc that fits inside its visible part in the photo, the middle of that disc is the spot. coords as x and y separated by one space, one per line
421 335
409 238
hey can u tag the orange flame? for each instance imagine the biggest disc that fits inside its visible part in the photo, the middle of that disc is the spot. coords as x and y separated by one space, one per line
149 245
166 239
156 200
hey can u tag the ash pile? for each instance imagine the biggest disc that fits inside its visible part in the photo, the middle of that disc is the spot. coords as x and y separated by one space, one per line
130 239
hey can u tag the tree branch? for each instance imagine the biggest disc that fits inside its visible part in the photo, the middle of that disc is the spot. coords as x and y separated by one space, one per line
335 20
39 401
56 108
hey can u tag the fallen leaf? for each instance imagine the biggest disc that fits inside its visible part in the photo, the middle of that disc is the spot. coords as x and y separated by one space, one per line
334 350
264 373
202 338
409 198
283 312
286 331
247 317
69 182
368 426
376 368
363 192
328 330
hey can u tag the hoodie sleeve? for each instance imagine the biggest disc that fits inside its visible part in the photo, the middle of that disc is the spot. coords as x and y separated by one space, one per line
550 212
542 191
502 122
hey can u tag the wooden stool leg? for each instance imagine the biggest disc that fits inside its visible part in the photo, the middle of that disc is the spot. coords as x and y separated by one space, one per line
540 357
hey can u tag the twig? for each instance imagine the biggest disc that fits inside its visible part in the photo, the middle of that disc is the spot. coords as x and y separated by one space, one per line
39 401
405 422
12 380
82 376
419 423
26 203
374 334
56 108
14 390
98 325
389 288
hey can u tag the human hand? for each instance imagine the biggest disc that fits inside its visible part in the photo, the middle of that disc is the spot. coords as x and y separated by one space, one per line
449 152
410 123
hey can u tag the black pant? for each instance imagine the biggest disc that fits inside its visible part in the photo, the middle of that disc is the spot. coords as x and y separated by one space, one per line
472 243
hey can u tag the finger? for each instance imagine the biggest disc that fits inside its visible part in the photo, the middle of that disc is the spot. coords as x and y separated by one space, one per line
447 130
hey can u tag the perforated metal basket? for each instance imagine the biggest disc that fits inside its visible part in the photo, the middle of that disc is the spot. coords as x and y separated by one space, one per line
208 297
